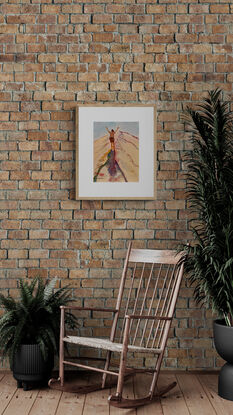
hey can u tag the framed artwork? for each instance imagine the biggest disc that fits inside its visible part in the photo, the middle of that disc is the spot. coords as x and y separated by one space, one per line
115 152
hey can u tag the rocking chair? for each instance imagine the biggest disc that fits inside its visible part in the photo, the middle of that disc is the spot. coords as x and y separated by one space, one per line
142 318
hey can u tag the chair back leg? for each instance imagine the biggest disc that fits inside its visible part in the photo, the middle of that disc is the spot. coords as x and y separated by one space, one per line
106 366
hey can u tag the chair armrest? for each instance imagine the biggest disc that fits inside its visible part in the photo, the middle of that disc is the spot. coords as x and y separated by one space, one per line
73 307
137 316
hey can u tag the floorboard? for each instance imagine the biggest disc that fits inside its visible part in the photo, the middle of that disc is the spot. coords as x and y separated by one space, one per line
194 394
173 403
96 402
195 397
128 392
21 402
46 402
210 386
72 403
141 387
8 388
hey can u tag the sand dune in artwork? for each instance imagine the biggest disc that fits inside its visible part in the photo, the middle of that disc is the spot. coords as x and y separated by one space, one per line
126 158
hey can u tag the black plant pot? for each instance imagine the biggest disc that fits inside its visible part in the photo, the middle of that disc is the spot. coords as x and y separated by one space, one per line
223 340
29 367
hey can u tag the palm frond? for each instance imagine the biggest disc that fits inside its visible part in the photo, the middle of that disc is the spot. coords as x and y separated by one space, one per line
209 192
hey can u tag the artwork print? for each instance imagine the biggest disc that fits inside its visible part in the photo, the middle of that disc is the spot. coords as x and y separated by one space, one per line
115 157
115 151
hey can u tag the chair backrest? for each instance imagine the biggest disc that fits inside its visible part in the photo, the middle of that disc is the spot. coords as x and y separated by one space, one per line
149 287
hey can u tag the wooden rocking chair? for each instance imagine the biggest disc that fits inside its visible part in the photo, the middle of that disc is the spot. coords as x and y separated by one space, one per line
142 318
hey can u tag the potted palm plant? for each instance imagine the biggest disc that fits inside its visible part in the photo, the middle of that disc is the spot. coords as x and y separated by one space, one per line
209 262
29 329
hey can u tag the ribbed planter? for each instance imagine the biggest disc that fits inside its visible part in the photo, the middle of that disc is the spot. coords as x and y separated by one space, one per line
29 366
223 340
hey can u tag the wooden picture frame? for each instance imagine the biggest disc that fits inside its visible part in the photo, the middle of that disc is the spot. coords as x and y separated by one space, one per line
115 152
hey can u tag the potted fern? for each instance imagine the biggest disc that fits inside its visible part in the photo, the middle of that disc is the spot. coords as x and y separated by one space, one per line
209 263
29 329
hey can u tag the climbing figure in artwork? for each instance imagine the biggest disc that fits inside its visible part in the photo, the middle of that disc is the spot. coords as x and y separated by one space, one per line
112 137
111 162
115 151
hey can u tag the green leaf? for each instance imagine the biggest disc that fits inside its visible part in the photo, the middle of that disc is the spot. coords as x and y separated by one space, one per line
209 263
34 317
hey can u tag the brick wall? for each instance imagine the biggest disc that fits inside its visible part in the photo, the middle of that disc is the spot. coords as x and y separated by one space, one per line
56 54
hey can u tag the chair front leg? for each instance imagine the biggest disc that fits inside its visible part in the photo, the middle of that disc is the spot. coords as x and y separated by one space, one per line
123 359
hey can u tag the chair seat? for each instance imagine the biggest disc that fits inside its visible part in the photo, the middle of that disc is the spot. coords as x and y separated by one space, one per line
107 344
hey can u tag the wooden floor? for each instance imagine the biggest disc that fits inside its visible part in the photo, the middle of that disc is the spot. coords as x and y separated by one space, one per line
195 394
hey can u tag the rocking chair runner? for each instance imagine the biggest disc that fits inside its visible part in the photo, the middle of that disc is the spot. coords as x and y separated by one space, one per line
142 318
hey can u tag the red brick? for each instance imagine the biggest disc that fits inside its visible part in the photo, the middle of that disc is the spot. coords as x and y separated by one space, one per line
103 37
8 263
38 234
123 18
219 8
105 52
197 8
158 9
115 8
